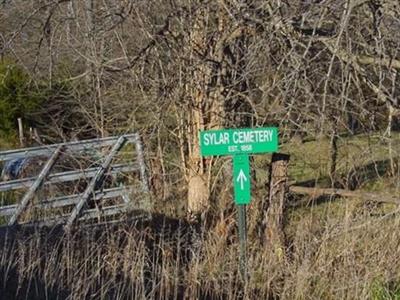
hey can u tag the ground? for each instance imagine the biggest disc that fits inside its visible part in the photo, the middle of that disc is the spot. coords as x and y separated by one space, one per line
337 248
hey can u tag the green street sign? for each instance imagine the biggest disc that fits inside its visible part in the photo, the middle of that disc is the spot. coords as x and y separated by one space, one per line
241 179
238 141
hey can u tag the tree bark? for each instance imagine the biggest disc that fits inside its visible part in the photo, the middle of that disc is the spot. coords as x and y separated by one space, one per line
199 106
213 71
334 155
389 135
274 209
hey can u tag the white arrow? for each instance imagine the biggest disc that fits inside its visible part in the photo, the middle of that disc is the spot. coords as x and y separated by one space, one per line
242 178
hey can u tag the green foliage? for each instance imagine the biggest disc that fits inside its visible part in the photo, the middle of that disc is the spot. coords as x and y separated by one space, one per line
385 291
18 96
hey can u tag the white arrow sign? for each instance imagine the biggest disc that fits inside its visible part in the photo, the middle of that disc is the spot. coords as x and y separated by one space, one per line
242 178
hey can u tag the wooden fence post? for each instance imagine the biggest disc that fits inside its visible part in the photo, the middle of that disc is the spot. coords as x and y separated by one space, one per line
21 132
274 204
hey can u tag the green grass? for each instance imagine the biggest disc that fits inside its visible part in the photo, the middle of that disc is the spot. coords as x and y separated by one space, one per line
7 141
311 160
385 291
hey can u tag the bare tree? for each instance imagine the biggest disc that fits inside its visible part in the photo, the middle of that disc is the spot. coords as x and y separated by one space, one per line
170 69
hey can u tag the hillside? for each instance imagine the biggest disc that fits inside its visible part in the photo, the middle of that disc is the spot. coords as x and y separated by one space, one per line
306 91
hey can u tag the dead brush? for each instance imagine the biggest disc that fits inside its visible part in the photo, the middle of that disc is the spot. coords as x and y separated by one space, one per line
337 252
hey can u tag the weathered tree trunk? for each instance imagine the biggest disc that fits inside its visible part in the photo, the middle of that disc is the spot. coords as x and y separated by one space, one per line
211 75
389 134
90 27
214 80
21 133
274 206
199 106
334 155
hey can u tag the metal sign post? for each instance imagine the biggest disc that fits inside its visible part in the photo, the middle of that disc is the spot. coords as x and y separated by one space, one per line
242 240
242 196
240 143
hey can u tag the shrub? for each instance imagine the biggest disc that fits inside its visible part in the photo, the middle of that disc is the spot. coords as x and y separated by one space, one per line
18 96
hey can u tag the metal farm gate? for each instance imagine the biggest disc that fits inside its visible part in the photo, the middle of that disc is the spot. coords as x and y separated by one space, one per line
88 181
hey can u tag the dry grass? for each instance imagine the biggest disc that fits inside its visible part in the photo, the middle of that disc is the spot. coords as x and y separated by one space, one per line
337 250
